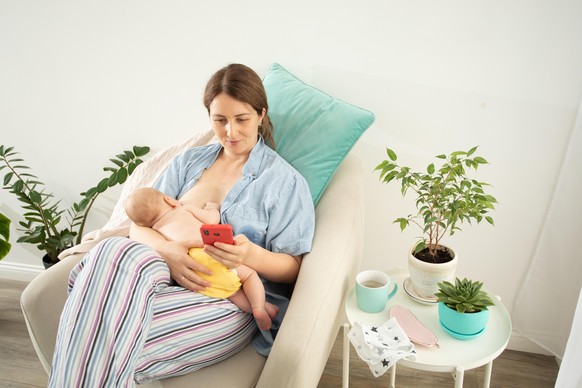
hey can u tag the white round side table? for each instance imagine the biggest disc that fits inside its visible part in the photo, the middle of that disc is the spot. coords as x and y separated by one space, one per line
452 355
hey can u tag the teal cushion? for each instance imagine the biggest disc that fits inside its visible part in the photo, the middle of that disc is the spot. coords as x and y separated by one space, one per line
313 131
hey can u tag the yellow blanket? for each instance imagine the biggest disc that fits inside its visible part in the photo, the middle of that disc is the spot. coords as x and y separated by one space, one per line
225 282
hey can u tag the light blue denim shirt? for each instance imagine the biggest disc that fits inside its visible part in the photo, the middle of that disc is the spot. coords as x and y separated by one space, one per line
271 205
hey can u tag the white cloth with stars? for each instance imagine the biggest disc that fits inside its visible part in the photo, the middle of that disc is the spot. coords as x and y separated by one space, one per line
381 346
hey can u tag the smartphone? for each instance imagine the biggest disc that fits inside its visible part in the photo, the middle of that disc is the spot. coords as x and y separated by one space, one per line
212 233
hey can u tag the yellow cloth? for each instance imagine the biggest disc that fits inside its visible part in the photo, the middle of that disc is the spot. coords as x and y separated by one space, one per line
225 282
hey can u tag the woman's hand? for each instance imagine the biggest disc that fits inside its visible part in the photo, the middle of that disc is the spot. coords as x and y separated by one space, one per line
182 267
277 267
231 255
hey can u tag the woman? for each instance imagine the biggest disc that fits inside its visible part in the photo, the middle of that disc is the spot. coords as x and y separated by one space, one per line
131 315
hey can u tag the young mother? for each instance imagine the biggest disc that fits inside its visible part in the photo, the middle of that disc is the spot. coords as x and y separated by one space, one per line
132 315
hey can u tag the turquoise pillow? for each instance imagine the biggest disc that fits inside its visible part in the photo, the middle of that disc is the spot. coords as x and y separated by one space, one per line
313 131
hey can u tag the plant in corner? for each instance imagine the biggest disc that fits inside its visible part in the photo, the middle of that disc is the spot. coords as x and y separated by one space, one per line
4 236
463 308
42 225
445 198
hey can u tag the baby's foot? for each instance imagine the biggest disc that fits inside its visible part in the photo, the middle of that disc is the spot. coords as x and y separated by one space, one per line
262 317
272 309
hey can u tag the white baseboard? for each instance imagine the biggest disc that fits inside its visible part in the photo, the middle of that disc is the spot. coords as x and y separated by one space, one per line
20 272
523 344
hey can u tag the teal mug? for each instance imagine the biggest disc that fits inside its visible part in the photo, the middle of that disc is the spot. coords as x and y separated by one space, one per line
373 290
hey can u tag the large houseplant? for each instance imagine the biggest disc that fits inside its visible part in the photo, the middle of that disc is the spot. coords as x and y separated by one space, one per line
463 308
4 236
43 223
445 198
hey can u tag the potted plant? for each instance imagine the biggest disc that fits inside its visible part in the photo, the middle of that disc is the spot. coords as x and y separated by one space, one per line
463 308
4 236
43 223
445 198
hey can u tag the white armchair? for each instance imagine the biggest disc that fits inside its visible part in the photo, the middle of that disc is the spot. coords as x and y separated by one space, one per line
313 318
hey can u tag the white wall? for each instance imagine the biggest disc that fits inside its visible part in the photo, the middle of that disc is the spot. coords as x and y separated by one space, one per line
82 80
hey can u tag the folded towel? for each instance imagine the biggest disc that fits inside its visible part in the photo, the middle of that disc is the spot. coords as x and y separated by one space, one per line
381 346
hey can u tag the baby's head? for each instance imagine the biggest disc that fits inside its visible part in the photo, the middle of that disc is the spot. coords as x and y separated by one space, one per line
145 206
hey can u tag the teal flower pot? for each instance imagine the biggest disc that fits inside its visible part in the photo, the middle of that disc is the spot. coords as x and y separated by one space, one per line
463 326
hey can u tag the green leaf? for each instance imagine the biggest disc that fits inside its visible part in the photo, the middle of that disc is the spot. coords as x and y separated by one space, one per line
122 175
430 168
118 162
141 151
391 154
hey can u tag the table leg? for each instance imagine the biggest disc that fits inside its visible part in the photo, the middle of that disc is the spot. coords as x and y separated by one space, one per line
393 376
346 358
487 380
459 375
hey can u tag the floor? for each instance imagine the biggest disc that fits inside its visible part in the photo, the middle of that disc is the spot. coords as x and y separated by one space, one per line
19 366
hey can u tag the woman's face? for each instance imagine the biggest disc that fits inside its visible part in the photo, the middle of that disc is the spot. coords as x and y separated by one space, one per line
235 123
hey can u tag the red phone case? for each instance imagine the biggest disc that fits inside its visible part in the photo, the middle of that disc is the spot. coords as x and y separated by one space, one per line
212 233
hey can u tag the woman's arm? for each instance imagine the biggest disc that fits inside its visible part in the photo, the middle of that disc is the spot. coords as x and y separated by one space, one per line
182 266
276 267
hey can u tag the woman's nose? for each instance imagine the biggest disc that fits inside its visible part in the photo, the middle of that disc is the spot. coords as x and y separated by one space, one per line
230 129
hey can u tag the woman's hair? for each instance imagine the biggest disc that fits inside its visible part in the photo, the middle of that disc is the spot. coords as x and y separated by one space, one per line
243 84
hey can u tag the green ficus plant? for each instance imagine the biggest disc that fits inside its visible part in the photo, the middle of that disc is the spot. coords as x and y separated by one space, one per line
465 296
43 223
446 196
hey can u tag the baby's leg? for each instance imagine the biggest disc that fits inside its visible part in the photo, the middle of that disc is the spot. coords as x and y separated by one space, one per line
253 298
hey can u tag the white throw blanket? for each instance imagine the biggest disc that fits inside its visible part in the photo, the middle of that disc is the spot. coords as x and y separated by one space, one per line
145 175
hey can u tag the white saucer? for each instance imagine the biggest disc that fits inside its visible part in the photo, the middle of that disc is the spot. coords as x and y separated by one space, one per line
407 285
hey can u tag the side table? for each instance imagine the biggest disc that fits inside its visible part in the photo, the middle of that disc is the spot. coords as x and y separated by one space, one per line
452 355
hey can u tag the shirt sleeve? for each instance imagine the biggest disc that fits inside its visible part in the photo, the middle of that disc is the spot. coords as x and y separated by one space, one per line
292 220
171 180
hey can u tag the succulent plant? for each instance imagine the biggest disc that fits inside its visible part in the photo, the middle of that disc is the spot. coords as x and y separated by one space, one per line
465 296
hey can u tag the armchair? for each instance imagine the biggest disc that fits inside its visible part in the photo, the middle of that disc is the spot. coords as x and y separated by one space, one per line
313 318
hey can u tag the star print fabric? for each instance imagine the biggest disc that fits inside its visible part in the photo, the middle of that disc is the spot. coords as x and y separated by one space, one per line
381 346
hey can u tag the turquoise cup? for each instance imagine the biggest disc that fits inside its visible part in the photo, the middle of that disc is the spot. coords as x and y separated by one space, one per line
373 290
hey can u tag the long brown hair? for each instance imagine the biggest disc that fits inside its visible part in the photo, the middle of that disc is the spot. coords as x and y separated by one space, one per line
243 84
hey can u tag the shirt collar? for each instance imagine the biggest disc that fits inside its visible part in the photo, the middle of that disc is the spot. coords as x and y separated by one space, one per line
253 164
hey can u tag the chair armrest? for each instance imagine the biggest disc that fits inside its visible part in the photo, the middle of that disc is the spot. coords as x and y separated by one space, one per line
42 303
316 309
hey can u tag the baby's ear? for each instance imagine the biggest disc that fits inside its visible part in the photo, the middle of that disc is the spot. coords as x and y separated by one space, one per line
171 201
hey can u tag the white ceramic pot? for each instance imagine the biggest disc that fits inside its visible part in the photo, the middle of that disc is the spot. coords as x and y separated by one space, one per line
426 276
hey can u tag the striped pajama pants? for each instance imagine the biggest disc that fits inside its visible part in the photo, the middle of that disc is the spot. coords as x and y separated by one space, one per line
124 322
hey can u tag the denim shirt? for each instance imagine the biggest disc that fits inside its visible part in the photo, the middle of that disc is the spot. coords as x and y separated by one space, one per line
271 205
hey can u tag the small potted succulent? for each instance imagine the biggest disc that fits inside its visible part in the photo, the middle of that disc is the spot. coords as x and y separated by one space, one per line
43 223
445 198
463 308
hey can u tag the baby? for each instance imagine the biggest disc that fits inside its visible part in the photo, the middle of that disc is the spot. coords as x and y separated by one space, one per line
179 222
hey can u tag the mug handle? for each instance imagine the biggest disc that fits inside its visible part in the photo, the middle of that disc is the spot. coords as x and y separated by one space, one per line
391 294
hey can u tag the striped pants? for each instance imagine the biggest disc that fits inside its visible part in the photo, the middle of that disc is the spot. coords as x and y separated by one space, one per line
124 322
